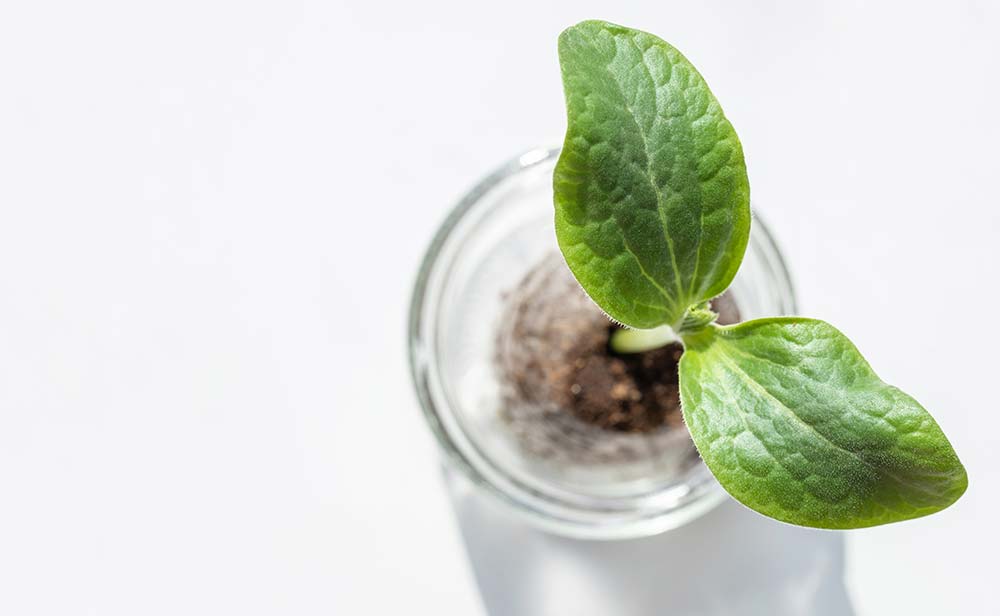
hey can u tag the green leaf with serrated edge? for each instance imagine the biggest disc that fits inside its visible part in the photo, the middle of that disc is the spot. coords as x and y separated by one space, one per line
793 422
651 192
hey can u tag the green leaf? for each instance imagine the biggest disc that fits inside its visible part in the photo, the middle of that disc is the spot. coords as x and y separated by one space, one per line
651 192
794 424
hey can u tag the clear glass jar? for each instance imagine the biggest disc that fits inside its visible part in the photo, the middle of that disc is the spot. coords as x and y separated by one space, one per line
501 230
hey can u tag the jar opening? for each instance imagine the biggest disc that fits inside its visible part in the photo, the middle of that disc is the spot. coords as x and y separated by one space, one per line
544 461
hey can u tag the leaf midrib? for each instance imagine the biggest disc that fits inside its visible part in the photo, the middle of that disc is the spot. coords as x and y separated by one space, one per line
761 389
644 139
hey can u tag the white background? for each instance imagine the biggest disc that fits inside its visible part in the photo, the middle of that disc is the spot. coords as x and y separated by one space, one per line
211 214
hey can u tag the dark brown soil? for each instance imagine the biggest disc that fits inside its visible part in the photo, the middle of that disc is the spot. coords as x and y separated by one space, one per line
630 393
553 355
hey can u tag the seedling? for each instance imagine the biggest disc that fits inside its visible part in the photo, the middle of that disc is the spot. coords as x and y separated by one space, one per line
653 218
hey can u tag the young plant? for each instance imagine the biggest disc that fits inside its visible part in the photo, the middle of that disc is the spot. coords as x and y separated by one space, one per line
653 217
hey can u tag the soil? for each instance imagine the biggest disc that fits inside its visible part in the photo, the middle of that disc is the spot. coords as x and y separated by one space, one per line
558 372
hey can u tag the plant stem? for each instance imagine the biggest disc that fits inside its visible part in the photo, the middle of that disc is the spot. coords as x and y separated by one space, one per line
639 340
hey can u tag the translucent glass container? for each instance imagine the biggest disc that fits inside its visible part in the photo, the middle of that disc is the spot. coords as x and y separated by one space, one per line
499 232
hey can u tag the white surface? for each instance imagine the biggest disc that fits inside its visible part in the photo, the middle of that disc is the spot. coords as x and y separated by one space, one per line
212 213
757 567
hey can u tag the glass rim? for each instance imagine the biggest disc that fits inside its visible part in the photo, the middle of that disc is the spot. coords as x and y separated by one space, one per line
539 509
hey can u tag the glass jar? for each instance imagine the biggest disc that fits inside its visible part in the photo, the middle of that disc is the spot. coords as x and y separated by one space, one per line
498 233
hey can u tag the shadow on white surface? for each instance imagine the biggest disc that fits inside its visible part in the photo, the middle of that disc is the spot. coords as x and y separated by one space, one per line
730 561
